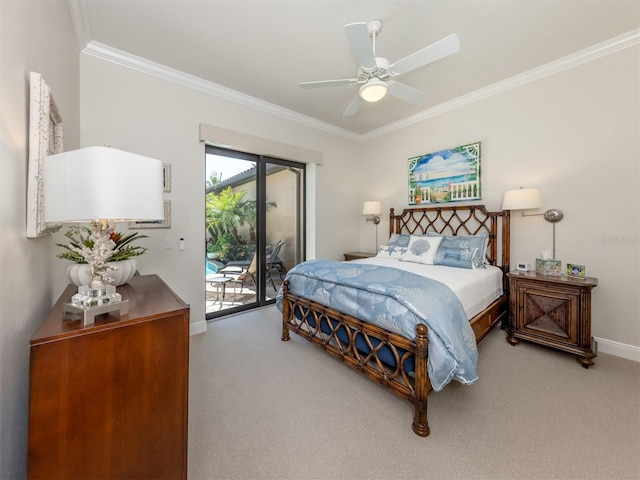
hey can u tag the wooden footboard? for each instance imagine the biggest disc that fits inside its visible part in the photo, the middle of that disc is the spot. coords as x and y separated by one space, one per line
338 335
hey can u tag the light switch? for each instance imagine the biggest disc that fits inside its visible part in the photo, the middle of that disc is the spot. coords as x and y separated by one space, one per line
168 243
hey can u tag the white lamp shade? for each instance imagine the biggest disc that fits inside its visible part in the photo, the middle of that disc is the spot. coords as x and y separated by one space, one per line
96 183
521 199
371 208
373 91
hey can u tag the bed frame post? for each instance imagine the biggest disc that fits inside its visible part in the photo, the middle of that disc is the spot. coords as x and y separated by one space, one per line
285 311
422 382
506 248
392 227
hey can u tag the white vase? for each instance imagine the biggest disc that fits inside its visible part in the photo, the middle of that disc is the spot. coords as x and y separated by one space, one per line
79 272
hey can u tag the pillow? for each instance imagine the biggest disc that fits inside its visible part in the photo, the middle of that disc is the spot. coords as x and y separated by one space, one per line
421 249
456 257
476 244
399 239
390 251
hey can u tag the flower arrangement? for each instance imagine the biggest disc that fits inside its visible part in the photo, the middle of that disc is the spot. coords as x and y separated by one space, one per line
81 239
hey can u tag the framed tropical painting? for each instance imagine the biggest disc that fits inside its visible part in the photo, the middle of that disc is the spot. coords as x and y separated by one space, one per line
451 175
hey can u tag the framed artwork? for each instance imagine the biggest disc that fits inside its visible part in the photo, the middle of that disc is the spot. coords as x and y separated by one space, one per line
166 175
574 270
446 176
166 223
45 138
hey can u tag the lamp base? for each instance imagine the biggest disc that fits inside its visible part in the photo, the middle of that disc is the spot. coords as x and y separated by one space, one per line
90 302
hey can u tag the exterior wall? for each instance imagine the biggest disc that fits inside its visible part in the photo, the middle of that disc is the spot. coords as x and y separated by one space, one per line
281 221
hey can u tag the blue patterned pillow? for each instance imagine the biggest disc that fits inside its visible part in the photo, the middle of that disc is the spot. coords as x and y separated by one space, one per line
455 257
391 251
474 244
399 240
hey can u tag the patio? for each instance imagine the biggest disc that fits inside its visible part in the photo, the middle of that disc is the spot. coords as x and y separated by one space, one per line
223 289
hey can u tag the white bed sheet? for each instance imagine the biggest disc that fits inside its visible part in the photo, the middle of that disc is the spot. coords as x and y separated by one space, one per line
476 289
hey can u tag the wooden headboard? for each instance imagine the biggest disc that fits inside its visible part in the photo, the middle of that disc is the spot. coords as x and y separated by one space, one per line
459 220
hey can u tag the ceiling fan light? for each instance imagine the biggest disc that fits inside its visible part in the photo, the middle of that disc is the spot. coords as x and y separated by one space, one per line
373 91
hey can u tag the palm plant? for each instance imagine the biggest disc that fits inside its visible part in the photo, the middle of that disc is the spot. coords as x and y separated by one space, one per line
225 212
249 215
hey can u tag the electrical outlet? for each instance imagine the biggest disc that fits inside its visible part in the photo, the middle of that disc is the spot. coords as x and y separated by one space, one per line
168 243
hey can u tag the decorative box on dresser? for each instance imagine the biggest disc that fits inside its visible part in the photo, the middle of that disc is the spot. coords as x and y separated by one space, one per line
109 400
554 311
357 255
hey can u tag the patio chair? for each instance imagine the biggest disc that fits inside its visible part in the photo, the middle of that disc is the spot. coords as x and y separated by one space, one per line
240 273
274 262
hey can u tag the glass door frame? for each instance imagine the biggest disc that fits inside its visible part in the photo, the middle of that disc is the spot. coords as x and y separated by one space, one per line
262 162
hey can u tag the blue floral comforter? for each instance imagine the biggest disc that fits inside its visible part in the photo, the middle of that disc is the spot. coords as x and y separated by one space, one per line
397 301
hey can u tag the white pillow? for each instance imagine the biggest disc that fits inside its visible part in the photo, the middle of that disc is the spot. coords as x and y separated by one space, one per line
422 249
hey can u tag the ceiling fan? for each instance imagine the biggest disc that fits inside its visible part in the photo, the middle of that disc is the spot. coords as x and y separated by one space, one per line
375 73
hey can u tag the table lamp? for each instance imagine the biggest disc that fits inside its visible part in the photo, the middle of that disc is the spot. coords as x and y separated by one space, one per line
100 186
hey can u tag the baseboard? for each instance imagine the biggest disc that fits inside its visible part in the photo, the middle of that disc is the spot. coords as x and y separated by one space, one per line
618 349
198 327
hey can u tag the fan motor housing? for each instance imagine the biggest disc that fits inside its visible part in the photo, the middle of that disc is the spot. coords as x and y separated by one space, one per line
381 71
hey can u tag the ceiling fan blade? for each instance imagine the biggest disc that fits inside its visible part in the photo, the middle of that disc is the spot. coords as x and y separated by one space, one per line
358 36
434 52
408 94
353 108
346 82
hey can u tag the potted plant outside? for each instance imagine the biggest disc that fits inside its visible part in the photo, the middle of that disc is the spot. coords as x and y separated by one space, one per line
212 254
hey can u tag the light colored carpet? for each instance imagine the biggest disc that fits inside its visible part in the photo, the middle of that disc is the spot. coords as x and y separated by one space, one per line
260 408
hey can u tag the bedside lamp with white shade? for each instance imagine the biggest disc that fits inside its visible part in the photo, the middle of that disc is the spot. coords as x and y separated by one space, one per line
529 199
522 199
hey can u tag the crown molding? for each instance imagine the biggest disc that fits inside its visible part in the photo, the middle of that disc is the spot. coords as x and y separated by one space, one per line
583 56
143 65
140 64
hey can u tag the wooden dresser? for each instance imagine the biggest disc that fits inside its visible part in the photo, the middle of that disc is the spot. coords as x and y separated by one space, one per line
552 311
109 400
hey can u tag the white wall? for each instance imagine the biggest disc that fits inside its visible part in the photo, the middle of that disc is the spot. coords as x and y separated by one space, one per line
133 111
572 134
575 135
36 36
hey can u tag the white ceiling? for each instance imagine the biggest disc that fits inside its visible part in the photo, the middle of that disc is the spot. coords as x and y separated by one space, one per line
264 48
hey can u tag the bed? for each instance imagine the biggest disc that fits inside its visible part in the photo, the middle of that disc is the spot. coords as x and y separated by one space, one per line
399 360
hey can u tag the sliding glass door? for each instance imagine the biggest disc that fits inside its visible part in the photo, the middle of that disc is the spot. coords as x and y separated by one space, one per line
254 228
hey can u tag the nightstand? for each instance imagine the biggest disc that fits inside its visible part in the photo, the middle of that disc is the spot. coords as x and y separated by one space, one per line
552 311
357 255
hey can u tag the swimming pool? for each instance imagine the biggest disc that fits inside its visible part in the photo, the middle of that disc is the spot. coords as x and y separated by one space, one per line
210 268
